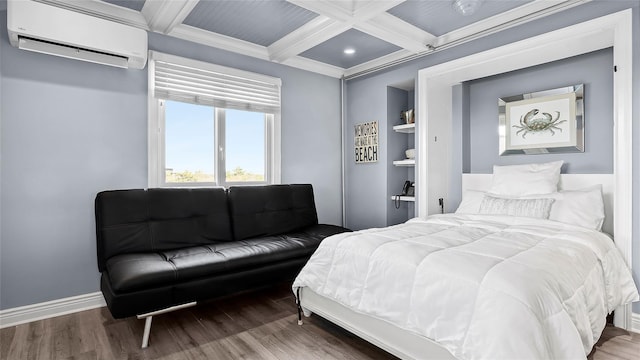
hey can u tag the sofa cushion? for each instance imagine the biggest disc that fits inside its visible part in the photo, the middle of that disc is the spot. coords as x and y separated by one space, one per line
133 272
271 210
137 221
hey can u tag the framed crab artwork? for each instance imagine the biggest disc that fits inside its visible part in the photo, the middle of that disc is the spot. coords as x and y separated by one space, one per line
543 122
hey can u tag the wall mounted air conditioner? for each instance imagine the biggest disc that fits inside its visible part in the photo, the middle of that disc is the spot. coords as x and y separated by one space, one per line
51 30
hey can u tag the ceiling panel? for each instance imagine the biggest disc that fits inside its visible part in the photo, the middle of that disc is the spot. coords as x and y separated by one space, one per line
439 17
366 46
130 4
302 33
260 22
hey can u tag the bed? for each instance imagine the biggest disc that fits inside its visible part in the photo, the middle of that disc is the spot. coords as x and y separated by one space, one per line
483 282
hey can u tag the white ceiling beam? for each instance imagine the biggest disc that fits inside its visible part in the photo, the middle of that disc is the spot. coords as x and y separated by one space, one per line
314 66
219 41
305 37
329 9
368 9
531 11
162 16
103 10
395 31
335 19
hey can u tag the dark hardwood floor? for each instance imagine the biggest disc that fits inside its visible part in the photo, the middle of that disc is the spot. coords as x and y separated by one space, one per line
257 325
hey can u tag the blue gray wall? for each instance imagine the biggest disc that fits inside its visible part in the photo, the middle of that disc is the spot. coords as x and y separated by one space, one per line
368 91
594 70
366 183
70 129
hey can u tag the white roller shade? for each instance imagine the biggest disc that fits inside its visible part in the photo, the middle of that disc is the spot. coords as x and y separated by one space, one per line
187 80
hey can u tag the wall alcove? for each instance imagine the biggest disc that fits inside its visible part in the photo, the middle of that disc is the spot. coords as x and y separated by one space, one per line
434 176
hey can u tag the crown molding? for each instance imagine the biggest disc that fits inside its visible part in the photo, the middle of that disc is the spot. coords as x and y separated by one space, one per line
219 41
223 42
522 14
527 12
335 18
103 10
164 16
381 62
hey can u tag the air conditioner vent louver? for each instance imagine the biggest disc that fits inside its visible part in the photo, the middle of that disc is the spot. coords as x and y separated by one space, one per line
71 47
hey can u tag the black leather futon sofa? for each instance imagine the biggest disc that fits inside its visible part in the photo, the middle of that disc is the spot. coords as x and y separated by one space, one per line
158 248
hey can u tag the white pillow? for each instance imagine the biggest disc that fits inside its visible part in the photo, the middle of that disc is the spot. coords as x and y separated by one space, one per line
583 207
527 179
535 208
471 200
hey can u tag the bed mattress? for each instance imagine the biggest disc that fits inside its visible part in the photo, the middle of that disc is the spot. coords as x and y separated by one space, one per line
481 286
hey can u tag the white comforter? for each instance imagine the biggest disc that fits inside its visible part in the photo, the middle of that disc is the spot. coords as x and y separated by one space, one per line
482 286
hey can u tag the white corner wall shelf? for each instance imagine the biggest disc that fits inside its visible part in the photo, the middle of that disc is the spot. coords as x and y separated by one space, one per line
405 162
404 198
405 128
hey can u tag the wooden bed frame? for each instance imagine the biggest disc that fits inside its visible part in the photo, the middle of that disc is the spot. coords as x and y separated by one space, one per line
408 345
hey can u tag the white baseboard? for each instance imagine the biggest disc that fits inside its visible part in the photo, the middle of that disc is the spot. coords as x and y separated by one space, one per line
49 309
635 322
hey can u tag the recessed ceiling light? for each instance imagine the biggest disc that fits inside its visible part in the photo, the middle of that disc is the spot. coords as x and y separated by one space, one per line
467 7
349 51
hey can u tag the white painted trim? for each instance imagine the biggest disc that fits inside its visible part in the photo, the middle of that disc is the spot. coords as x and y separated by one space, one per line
606 31
517 16
49 309
155 129
163 16
402 343
317 67
370 17
103 10
219 41
381 62
635 322
623 143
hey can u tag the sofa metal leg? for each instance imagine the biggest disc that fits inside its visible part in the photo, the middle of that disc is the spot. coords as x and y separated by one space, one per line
147 330
149 316
299 307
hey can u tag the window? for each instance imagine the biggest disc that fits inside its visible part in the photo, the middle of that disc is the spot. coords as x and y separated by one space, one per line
210 125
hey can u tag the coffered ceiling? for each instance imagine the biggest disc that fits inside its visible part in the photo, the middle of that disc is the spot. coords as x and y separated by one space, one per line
314 34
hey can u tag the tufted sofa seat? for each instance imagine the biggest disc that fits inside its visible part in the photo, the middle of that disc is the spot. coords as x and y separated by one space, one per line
159 248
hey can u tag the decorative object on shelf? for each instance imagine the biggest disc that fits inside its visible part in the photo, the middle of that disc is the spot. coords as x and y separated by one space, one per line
466 7
408 192
366 142
542 122
410 153
408 188
408 116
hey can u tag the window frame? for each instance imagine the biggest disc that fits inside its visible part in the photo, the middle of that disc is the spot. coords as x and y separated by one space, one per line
157 132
